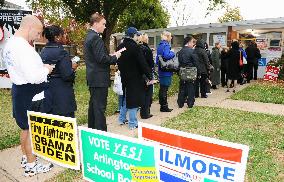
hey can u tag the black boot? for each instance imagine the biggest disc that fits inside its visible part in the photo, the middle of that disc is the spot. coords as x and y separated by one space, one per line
165 109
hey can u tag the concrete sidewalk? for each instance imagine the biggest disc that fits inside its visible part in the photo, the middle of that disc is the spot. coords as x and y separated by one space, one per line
10 169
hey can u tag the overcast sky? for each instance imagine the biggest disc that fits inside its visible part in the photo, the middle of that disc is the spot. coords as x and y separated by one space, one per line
194 12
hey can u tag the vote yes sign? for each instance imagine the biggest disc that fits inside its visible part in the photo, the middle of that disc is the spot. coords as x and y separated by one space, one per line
110 157
188 157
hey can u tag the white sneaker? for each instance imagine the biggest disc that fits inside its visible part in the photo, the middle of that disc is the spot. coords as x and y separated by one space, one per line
134 127
24 161
37 168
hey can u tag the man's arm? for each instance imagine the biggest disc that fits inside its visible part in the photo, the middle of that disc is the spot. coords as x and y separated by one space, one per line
100 53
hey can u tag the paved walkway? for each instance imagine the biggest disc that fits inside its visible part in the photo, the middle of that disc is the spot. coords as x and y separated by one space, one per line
10 169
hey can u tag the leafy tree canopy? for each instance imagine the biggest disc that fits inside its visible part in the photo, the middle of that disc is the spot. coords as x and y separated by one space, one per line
231 14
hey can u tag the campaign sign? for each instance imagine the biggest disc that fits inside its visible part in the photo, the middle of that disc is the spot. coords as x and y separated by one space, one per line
110 157
262 62
188 157
55 139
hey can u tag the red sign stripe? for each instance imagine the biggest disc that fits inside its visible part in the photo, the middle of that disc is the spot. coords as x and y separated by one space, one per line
201 147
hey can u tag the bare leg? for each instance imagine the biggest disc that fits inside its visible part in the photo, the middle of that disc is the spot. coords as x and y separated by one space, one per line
28 147
235 84
23 140
228 85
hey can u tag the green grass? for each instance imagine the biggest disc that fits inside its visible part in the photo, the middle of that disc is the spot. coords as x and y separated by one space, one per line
262 92
9 131
263 133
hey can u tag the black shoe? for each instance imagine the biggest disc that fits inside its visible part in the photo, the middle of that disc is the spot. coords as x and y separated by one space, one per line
147 117
234 91
204 96
124 122
196 96
228 90
214 87
190 106
166 109
248 81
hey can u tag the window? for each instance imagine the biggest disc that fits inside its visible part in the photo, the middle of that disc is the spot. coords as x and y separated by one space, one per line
202 36
151 41
158 40
275 43
177 40
214 37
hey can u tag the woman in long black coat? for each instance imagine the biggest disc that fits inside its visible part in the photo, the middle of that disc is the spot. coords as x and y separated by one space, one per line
233 62
145 112
132 66
59 97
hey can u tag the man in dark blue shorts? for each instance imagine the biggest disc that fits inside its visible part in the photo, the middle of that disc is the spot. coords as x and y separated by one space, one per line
28 74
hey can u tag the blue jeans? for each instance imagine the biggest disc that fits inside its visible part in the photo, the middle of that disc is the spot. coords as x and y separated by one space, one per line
132 115
120 100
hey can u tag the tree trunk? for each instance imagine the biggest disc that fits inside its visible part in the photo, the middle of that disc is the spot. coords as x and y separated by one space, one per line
107 34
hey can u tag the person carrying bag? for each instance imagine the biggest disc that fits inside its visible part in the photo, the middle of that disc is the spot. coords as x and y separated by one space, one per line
187 73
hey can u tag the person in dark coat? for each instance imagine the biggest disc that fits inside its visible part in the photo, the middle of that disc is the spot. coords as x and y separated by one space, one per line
165 78
187 58
203 68
133 67
234 68
216 63
145 109
224 79
98 63
59 97
253 54
208 80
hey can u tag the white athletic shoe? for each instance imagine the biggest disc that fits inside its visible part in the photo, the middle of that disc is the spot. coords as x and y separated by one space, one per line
37 168
24 161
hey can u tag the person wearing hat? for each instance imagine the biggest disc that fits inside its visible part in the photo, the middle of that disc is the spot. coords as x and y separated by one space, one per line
132 66
98 63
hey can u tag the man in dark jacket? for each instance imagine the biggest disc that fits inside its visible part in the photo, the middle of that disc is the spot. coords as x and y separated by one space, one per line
187 58
253 54
132 66
98 63
203 68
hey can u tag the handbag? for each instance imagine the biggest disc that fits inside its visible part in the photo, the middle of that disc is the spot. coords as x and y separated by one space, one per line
171 65
241 61
188 73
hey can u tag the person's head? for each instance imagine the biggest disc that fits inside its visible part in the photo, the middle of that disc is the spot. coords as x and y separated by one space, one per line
98 22
31 28
144 38
225 49
53 33
235 45
167 36
133 33
218 45
189 41
200 43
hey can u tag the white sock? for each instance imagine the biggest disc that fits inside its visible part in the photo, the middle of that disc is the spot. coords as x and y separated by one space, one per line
31 165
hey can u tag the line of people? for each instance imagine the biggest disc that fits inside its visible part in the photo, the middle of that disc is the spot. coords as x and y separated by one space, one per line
45 82
227 67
